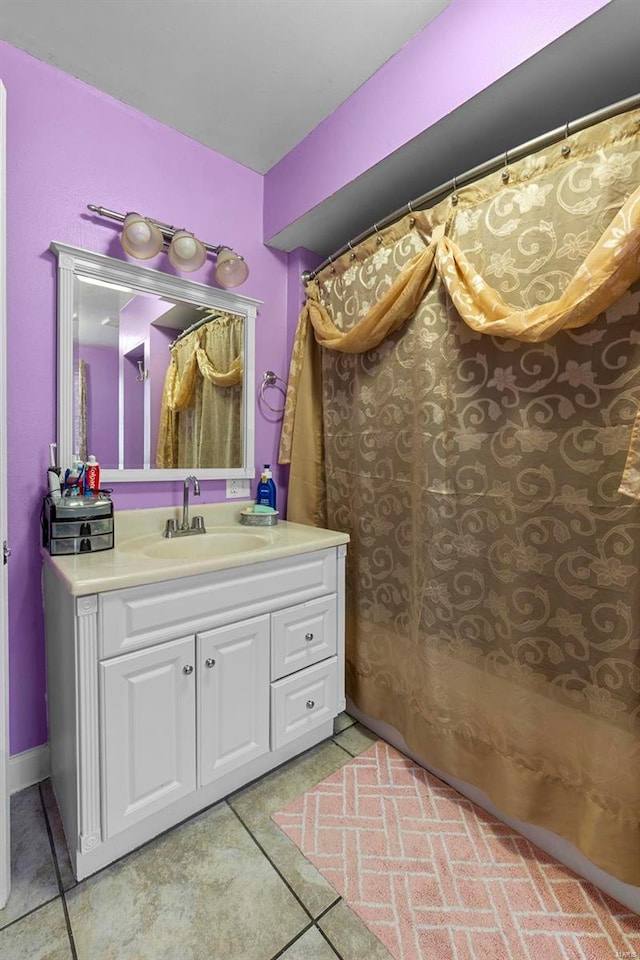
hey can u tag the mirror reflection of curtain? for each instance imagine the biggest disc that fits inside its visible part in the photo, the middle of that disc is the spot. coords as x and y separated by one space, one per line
201 420
80 406
471 436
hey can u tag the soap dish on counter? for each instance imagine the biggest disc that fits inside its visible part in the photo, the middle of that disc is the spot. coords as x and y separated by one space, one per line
250 519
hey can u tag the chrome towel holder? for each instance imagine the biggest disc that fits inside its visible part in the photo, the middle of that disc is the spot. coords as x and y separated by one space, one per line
271 379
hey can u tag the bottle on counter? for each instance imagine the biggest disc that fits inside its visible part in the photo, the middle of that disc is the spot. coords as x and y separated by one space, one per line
266 493
92 475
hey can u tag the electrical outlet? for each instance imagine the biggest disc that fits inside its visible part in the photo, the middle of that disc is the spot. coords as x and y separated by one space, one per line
237 488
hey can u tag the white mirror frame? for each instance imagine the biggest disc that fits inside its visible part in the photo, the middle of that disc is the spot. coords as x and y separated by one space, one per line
73 261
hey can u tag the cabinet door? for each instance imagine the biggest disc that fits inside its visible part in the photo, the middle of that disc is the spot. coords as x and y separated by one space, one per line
233 697
148 731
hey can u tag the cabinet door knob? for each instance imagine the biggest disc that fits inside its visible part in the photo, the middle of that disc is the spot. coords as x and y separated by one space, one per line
308 636
310 704
187 669
209 662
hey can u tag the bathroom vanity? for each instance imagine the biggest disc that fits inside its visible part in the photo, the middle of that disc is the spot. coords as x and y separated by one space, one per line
180 670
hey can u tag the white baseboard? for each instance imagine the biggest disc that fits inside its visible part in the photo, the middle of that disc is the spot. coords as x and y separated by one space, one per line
28 768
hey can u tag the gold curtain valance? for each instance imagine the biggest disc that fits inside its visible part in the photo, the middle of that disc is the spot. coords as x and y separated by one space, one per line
180 390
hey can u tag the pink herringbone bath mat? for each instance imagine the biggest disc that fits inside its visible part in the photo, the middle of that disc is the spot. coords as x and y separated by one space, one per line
435 877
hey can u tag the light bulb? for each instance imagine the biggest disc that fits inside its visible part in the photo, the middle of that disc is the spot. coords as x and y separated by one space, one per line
185 247
139 232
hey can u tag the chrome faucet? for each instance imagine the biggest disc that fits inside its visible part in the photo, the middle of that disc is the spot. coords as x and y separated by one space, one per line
185 500
197 524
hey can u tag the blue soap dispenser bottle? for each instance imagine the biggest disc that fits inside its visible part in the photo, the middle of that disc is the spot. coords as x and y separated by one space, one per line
266 494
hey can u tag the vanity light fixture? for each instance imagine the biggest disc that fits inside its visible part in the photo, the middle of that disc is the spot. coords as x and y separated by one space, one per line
144 237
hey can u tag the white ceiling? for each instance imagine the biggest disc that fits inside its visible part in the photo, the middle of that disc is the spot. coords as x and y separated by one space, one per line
249 78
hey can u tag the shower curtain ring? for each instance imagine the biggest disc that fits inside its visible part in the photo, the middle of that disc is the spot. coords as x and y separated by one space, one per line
505 172
454 195
352 255
333 269
412 220
378 238
566 149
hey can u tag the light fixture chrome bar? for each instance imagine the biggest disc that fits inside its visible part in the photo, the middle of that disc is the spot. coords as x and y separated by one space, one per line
489 166
165 229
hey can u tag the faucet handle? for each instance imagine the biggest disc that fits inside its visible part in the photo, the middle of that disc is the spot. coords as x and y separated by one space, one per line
197 523
170 528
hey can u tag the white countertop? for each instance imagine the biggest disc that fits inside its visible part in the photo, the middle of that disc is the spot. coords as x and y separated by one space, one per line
124 566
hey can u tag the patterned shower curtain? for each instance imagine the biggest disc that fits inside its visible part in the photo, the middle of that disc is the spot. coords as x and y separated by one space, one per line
473 445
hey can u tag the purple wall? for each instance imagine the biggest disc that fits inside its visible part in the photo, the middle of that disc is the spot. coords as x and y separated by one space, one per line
102 403
466 48
70 145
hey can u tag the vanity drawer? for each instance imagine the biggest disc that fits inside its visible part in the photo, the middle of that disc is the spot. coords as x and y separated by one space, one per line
303 701
303 635
138 617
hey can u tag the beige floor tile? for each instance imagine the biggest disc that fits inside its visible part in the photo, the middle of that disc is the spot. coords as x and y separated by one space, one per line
350 936
255 804
342 721
33 875
311 946
204 891
59 842
40 936
356 739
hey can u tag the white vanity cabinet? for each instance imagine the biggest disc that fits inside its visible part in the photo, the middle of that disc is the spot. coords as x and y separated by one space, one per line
164 697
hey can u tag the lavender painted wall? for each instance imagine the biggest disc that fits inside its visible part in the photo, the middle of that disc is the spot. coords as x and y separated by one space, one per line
466 48
102 403
69 145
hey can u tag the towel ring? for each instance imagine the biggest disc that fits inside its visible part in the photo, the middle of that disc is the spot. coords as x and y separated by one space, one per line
270 379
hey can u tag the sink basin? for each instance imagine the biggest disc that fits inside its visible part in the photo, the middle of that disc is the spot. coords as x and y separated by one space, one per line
197 547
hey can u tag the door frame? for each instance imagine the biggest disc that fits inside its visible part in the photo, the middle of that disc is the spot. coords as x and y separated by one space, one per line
5 856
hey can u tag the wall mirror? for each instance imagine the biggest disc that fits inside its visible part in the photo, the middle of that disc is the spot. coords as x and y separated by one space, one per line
156 373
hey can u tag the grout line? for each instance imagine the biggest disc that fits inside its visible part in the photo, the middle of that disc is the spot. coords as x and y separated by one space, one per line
314 921
29 913
325 937
277 870
297 937
330 907
351 756
321 931
56 867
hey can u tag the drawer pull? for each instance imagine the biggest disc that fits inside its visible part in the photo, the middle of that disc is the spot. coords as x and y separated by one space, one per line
210 662
308 636
187 669
310 704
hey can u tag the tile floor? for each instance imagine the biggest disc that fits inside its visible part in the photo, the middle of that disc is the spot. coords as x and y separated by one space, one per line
225 885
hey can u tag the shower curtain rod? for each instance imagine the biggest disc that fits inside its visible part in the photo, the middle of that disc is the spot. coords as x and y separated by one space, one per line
489 166
194 326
